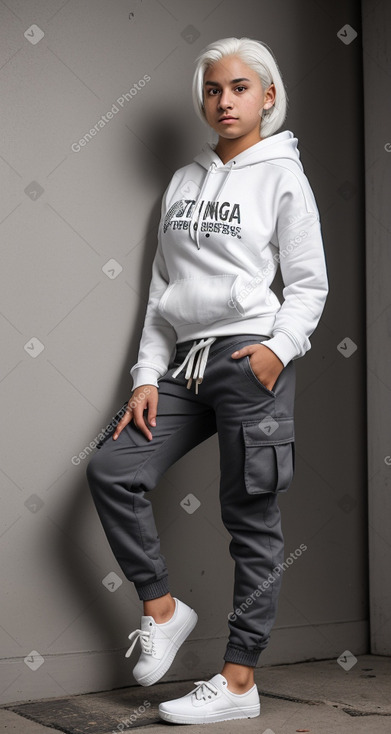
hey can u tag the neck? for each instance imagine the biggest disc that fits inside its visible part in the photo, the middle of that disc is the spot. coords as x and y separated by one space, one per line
227 149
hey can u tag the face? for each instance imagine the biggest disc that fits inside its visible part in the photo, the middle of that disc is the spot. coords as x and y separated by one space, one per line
231 88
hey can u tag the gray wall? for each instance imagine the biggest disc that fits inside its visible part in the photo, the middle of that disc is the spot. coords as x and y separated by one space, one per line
377 72
64 216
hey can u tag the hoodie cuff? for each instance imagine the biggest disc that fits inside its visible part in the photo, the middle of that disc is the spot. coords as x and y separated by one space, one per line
145 376
283 346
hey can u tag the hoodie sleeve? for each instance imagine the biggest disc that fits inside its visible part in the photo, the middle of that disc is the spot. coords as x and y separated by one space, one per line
302 262
158 338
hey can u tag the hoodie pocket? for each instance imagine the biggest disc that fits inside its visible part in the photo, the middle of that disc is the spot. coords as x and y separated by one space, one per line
198 300
269 457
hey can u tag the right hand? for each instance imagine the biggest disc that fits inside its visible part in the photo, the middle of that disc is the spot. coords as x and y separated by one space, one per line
144 396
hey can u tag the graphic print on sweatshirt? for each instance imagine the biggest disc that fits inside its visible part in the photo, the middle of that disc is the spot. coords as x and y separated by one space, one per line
223 218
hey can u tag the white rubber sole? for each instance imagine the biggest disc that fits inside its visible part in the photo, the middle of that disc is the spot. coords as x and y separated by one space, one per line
150 678
247 712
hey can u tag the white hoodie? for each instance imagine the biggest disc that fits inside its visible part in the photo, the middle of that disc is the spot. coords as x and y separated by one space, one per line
224 229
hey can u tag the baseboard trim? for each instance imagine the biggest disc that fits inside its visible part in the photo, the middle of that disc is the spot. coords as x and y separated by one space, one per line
91 671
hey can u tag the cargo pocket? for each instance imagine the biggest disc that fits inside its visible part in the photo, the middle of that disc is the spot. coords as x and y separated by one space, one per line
269 454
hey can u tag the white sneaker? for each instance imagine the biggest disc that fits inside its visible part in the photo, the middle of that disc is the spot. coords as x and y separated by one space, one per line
161 642
211 701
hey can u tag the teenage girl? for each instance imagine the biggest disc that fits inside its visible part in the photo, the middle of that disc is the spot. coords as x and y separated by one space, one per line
217 354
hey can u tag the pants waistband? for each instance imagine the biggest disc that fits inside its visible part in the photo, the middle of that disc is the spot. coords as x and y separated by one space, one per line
197 357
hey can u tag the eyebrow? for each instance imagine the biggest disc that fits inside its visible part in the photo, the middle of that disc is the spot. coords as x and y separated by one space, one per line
233 81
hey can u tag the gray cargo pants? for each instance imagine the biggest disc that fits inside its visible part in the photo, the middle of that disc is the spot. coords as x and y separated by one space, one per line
255 429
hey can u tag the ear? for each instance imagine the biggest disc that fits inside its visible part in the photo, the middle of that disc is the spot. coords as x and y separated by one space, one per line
271 91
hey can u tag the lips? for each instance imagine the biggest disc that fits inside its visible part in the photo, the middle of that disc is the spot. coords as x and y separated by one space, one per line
228 117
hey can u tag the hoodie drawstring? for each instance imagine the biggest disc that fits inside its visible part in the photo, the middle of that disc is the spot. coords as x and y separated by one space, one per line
196 371
281 145
212 168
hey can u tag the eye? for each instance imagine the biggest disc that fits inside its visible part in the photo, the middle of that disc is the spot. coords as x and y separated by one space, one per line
215 89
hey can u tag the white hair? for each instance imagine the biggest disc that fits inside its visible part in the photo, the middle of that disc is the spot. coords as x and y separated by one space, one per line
259 57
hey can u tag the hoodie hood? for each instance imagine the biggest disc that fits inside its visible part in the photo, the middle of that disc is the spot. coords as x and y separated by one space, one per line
282 146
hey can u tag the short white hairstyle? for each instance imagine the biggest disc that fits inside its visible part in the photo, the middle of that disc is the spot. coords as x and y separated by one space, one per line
259 57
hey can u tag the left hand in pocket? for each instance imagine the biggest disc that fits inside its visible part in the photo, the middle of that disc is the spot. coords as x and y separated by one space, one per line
264 363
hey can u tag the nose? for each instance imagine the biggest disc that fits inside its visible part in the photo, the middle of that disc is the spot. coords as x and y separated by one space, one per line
225 99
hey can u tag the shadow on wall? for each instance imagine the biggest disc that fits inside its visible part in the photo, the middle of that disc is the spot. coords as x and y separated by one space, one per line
172 143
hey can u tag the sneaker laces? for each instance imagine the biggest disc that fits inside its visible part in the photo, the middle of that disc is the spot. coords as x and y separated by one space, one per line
202 687
145 639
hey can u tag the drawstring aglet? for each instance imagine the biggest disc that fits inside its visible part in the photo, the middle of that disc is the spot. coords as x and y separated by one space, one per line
195 362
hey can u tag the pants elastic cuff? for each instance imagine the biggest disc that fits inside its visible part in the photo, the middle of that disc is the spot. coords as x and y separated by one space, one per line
242 657
153 590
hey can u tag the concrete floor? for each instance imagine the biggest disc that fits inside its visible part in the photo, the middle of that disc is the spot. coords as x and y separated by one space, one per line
316 697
